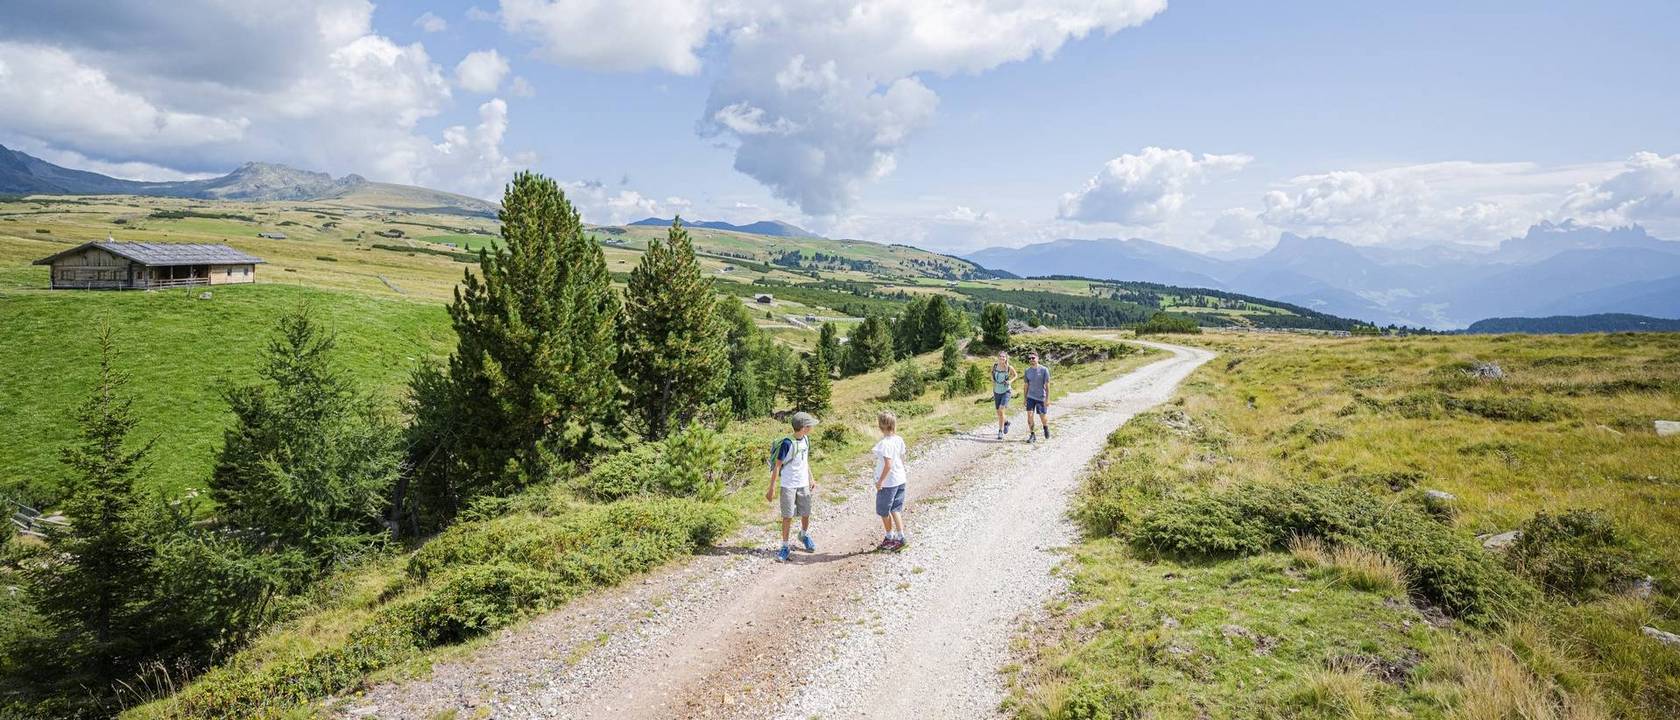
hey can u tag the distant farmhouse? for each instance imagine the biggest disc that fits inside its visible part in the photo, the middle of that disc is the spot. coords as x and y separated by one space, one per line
143 266
764 298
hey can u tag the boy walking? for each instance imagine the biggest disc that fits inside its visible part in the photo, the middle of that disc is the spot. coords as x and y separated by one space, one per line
889 482
1038 396
790 471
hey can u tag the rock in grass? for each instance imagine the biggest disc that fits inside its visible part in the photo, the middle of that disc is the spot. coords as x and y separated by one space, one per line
1486 371
1499 541
1666 428
1439 497
1666 638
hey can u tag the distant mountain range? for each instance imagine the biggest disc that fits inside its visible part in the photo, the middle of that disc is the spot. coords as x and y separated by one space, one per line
773 228
1568 324
24 174
1554 269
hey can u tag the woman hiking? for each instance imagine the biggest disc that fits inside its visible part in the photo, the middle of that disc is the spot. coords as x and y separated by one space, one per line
1003 378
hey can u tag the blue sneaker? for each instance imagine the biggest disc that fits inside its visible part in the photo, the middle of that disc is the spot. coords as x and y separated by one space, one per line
1006 427
782 554
805 539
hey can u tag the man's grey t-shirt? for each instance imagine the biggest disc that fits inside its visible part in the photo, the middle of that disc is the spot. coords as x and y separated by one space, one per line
1038 380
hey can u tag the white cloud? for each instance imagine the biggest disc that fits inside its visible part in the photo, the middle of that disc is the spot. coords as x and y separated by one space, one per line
816 98
1145 189
47 92
202 85
520 87
1646 190
600 205
471 159
427 22
659 34
482 71
126 170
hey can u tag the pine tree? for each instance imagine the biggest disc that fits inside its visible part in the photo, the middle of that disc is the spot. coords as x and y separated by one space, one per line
672 357
869 347
811 389
98 575
828 345
950 358
938 322
907 328
309 462
531 380
994 326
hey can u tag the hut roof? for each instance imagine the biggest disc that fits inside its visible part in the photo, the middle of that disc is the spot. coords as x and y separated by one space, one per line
157 254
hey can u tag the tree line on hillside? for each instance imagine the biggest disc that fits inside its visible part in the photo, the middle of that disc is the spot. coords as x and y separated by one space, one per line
553 367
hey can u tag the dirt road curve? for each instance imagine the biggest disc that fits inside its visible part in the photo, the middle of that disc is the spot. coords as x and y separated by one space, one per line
842 633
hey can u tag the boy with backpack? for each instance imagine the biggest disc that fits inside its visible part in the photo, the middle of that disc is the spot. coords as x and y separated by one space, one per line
790 472
889 482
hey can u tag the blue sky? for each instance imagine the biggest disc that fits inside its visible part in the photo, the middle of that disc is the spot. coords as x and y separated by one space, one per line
953 126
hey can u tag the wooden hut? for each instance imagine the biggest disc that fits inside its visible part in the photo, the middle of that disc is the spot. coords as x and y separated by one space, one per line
143 266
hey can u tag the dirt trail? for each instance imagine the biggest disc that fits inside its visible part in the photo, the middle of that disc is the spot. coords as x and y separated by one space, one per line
838 633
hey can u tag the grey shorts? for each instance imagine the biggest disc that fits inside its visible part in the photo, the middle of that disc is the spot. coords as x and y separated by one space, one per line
889 500
1000 399
796 502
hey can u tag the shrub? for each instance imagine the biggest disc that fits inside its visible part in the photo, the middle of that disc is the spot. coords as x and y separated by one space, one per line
971 380
1163 323
1576 554
1068 350
835 434
908 383
1249 519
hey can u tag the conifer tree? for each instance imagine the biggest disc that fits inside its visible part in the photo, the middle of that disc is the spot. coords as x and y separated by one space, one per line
950 358
309 461
869 347
828 345
811 389
994 326
531 379
672 357
907 328
96 579
939 321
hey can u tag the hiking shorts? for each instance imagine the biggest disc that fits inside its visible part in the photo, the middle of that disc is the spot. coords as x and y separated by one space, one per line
1000 399
1035 405
796 502
889 500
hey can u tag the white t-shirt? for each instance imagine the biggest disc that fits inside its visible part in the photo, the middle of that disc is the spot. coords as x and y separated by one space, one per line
796 467
890 447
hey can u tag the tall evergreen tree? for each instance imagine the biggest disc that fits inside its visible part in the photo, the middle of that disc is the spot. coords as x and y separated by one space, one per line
907 328
994 326
94 584
309 461
939 321
950 358
869 347
531 380
828 345
672 357
811 389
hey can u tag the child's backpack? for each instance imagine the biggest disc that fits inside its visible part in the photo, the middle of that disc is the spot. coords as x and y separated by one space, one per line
778 450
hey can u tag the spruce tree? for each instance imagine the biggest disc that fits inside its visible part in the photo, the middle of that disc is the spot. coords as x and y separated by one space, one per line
828 345
309 462
811 390
869 347
939 321
994 326
532 377
672 357
950 358
907 328
95 581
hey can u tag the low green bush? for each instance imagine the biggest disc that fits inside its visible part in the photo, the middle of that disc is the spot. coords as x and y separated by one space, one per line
1446 569
1577 554
908 382
697 462
1066 350
473 578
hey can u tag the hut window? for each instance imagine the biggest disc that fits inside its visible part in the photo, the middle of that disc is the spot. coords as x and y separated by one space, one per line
230 272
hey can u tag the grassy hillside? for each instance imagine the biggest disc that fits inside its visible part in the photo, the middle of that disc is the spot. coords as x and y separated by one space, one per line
181 351
1201 592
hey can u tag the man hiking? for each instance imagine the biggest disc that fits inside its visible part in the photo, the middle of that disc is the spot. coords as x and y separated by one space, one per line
1038 396
1003 377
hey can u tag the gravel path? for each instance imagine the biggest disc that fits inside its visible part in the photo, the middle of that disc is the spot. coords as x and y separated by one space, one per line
837 634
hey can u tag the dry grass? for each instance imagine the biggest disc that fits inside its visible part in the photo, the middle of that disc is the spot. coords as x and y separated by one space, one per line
1341 694
1359 567
1492 683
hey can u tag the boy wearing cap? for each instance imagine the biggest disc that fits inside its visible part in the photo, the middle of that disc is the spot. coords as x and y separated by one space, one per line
790 472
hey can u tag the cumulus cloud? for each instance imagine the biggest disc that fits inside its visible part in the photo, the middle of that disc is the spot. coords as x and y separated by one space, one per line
520 87
601 205
201 85
1645 190
654 34
427 22
1145 189
482 71
815 98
